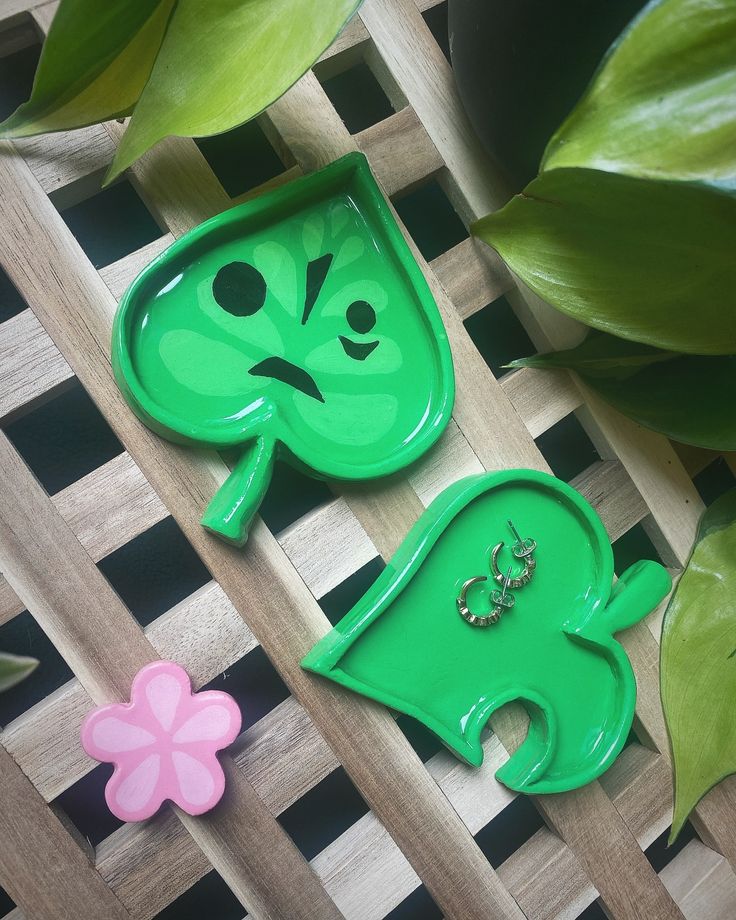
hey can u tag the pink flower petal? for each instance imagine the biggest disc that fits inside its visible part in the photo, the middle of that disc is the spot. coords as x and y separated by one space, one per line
136 790
163 693
196 782
114 736
209 724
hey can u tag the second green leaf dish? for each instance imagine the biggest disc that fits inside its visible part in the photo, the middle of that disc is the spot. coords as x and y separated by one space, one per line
407 643
296 325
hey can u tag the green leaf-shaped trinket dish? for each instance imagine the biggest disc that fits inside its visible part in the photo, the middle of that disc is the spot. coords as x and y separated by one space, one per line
296 325
503 591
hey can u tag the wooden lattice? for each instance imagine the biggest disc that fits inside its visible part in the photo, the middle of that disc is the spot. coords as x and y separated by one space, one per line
423 817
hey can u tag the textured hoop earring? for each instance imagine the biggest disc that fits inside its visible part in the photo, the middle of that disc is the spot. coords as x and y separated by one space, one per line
518 581
502 600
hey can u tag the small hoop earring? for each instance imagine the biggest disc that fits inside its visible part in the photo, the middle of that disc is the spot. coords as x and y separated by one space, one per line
518 581
502 600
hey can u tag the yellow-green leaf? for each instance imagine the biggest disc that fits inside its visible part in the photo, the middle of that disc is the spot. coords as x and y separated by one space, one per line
14 669
220 66
698 662
94 64
648 261
663 102
667 392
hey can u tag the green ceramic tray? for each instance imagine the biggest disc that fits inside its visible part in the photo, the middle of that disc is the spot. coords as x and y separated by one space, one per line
296 325
405 645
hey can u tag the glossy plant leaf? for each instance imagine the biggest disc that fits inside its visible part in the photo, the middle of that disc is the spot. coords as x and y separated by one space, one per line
94 64
220 67
698 662
663 103
182 67
669 393
647 261
14 669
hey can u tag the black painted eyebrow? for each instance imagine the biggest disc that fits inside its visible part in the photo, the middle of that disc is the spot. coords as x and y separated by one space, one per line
316 273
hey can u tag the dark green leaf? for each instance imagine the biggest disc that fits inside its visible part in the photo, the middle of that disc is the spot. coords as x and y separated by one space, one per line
94 64
14 668
680 396
698 662
663 103
219 69
600 355
648 261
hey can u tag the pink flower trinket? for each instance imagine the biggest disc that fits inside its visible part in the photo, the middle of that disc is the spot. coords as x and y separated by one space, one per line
163 743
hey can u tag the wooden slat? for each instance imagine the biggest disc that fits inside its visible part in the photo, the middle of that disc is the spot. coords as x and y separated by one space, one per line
69 164
419 158
43 868
109 506
10 603
86 620
471 278
703 883
31 368
327 546
357 867
118 275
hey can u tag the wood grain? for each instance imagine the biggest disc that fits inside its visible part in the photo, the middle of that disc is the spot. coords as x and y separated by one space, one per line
44 869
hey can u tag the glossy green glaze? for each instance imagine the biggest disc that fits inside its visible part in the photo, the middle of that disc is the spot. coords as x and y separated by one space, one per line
296 325
405 645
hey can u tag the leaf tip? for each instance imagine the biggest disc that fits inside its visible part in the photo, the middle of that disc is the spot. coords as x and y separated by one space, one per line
14 669
677 826
120 162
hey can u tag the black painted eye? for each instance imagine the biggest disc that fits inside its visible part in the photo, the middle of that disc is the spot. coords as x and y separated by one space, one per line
239 288
361 316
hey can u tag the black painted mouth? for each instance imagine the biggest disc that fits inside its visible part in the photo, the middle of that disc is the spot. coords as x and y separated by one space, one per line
286 372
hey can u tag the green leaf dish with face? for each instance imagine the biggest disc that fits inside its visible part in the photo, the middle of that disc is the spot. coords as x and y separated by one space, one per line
406 645
297 325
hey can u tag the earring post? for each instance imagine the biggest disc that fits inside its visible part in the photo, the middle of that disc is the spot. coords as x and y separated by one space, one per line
515 532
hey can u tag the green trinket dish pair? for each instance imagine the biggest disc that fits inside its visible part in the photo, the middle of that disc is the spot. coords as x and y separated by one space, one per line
411 643
297 325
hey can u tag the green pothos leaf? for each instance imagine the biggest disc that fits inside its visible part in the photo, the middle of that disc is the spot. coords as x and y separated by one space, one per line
698 662
663 102
668 392
94 64
647 261
14 668
184 67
